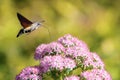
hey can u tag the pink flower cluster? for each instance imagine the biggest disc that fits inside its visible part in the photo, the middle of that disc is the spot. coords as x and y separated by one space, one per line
71 47
96 74
57 62
30 73
65 55
72 78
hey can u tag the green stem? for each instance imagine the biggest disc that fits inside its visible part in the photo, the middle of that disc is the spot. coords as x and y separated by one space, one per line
61 78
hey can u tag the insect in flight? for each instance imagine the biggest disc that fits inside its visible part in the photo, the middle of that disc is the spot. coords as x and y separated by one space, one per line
27 25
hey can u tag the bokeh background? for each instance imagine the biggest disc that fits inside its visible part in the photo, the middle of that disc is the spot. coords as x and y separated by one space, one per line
97 22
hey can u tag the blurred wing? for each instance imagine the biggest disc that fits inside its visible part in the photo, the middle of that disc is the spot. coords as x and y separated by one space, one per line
24 21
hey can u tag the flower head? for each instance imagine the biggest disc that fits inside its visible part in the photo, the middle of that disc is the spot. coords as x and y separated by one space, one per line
69 63
40 51
57 62
53 48
30 73
62 57
66 40
52 62
72 78
94 61
70 41
96 74
46 63
76 51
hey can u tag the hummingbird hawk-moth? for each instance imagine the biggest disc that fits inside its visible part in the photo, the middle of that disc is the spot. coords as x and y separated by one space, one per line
27 25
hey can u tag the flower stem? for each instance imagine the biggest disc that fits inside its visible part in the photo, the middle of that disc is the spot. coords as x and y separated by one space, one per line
61 78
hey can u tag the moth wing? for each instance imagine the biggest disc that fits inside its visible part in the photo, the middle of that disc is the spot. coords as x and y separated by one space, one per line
24 21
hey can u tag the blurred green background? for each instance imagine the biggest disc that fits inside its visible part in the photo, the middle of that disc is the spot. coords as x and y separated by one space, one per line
97 22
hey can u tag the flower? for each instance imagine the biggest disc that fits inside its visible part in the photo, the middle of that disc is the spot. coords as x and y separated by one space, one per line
94 61
46 63
52 62
66 40
98 63
32 72
72 78
48 49
55 48
76 52
69 63
40 51
57 62
96 74
70 41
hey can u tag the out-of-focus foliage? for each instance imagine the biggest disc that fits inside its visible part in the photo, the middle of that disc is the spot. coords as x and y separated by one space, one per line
97 22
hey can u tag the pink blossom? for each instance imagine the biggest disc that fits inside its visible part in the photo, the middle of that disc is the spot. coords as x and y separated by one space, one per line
40 51
48 49
66 40
70 41
94 61
30 73
72 78
76 51
80 44
96 74
55 48
46 63
52 62
57 62
69 63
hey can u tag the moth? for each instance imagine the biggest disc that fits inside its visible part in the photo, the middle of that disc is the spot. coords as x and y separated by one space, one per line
27 25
